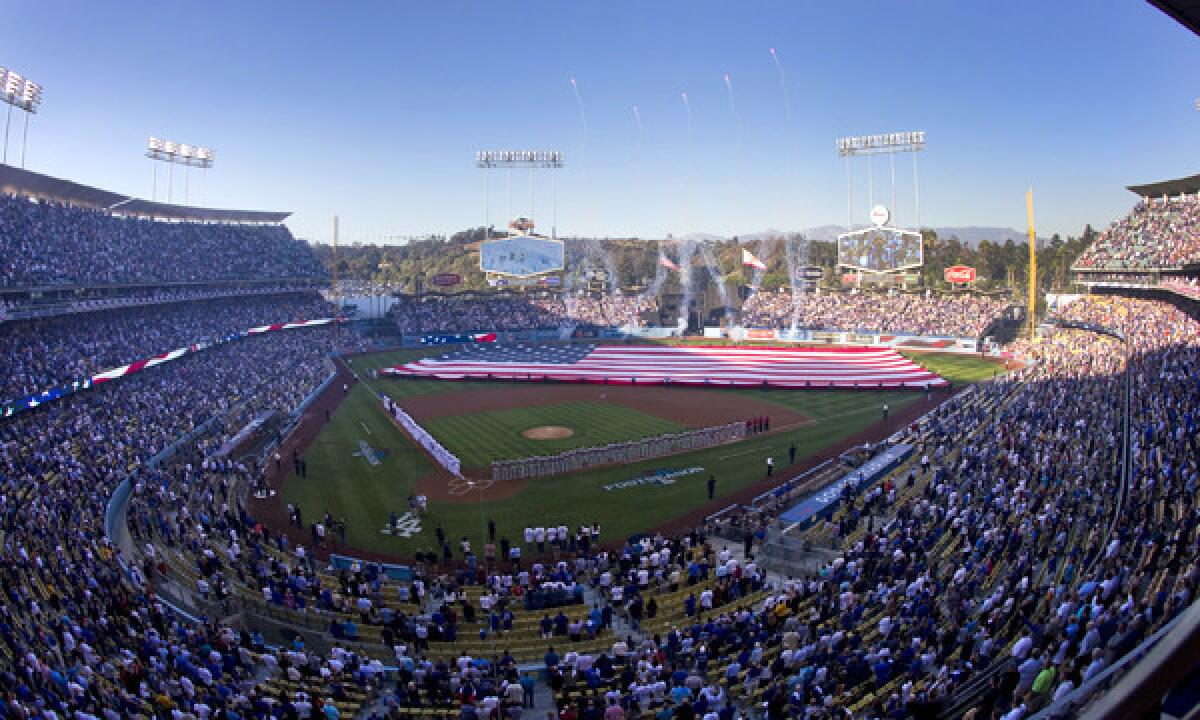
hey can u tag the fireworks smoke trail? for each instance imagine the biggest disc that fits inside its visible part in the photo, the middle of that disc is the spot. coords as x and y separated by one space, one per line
610 265
787 100
582 112
637 119
733 107
714 271
687 106
796 247
687 248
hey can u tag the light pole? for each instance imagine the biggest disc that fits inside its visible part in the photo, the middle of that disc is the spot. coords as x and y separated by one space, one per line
175 153
551 160
18 92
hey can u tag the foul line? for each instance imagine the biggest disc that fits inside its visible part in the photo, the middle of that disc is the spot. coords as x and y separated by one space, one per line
738 454
814 422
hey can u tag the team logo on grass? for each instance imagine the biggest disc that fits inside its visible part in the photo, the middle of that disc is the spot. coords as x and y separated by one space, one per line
374 457
406 526
663 476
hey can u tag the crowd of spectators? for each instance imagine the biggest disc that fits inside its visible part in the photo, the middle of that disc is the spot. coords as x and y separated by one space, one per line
79 638
1010 544
44 243
453 314
40 354
912 313
449 314
1002 547
946 315
603 310
1157 233
995 549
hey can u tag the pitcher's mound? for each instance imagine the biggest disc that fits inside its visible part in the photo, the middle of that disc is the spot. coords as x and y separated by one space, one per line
548 432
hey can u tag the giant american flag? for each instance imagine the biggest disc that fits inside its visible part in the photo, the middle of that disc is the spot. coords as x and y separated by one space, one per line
685 365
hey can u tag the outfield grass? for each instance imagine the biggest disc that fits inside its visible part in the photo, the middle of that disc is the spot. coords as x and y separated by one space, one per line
958 369
347 486
479 438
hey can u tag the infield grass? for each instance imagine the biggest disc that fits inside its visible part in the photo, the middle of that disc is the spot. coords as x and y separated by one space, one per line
479 438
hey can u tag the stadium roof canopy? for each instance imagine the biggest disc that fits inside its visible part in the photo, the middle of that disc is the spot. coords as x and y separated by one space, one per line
146 208
26 183
1179 186
1184 12
15 181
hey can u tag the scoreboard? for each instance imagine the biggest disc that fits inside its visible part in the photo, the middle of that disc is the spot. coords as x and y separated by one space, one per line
880 250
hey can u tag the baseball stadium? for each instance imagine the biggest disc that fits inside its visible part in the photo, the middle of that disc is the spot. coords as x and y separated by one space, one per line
435 444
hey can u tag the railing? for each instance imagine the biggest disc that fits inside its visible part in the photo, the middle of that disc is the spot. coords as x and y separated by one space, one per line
116 528
1137 682
75 307
794 484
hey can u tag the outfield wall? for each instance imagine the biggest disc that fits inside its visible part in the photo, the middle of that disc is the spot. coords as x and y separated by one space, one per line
941 343
617 453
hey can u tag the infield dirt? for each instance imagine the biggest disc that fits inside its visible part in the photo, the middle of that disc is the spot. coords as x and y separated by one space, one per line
548 432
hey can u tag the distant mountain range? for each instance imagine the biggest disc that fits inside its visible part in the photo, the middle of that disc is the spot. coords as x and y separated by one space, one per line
969 235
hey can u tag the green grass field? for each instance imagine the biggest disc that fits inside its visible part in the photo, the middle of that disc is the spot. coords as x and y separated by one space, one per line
958 369
479 438
343 482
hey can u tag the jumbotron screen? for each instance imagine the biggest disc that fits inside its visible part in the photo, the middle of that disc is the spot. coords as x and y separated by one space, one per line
880 249
521 256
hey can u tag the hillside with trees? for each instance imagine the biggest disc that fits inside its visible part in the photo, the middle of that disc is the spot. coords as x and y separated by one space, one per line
404 268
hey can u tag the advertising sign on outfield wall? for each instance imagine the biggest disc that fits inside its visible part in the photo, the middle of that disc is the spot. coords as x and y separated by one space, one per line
959 274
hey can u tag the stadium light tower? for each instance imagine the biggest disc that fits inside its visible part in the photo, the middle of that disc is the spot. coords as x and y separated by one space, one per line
551 160
18 92
869 145
174 153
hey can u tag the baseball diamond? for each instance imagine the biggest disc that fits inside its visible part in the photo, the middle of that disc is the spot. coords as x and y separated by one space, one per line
696 404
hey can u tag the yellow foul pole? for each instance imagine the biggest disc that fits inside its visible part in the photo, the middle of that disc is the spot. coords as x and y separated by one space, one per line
1032 261
335 277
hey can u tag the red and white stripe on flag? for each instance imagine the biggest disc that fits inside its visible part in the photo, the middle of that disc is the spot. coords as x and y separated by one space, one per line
698 365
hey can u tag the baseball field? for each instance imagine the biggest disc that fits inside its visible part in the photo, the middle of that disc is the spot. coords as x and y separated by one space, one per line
362 469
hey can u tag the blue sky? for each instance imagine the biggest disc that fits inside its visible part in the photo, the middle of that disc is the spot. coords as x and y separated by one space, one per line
374 111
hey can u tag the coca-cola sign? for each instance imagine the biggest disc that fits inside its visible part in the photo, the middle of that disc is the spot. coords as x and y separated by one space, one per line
960 274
